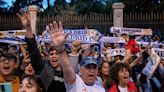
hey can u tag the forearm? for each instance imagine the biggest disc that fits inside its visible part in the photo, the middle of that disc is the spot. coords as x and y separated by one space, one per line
34 53
69 74
136 61
29 33
23 50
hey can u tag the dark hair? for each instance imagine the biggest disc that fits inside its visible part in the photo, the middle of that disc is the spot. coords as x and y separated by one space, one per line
116 68
100 66
9 56
34 79
51 49
1 51
106 80
13 46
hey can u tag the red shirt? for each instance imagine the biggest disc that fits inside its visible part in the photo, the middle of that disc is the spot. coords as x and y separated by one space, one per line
131 88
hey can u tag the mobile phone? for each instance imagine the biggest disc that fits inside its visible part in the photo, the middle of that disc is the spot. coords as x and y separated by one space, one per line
6 87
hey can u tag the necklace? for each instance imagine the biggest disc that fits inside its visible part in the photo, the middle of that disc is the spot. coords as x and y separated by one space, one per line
57 72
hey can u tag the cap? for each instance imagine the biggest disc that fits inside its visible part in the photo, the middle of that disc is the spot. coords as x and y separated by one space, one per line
88 60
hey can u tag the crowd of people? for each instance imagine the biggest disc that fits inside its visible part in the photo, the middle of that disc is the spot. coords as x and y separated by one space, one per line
77 67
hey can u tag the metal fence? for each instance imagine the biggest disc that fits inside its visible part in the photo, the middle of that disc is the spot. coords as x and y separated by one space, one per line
102 22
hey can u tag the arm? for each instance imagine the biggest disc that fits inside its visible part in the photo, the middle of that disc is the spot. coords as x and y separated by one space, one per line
58 39
127 56
143 56
139 38
136 61
88 51
30 40
23 49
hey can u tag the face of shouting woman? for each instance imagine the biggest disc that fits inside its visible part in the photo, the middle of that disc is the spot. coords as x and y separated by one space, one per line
105 68
123 77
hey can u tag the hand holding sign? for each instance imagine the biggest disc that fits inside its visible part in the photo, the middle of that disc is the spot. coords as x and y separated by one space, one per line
25 20
152 64
76 46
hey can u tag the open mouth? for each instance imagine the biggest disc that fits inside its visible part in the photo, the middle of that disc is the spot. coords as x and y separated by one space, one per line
54 61
6 68
29 71
126 78
91 75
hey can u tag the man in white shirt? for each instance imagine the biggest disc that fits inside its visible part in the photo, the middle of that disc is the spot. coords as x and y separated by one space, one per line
86 82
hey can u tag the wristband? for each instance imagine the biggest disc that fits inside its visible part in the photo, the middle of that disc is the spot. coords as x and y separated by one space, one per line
60 50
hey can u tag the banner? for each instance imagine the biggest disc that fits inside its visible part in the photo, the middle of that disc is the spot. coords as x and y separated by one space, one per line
152 64
154 44
86 32
12 36
160 52
85 35
115 52
12 33
106 39
17 36
131 31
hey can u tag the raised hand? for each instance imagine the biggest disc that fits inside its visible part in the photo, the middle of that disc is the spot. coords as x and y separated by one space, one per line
58 38
25 62
24 18
76 45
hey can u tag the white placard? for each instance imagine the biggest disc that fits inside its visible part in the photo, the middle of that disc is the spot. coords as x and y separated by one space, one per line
106 39
115 52
152 64
131 31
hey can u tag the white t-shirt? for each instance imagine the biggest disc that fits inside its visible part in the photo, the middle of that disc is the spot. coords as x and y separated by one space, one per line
80 86
123 89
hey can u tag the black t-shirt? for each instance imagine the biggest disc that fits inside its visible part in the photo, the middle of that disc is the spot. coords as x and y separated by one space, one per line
57 85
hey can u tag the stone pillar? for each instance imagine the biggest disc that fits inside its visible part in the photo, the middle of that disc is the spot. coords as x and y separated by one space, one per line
33 9
118 14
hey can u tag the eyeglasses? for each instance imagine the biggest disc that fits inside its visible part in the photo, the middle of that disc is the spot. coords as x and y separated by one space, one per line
3 59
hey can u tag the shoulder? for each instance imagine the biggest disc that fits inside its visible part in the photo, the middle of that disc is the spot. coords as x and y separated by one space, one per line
113 88
100 88
78 84
132 86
